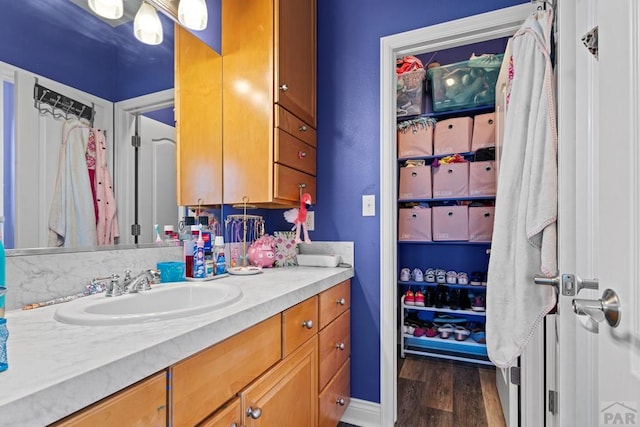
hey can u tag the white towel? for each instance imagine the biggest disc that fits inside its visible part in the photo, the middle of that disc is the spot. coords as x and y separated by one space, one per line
524 238
72 218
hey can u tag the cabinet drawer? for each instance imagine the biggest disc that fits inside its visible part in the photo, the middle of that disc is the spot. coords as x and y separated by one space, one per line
334 400
334 301
228 416
294 153
334 347
294 126
299 323
288 181
144 403
203 382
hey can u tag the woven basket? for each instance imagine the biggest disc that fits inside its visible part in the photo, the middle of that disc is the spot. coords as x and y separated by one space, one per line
411 80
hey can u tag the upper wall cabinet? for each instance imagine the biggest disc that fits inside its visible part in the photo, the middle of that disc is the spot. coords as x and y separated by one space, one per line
198 112
269 92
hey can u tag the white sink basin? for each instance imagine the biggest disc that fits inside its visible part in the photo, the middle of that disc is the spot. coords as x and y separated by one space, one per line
170 301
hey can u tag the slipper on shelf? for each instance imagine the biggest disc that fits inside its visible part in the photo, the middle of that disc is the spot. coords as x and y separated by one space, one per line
446 330
461 333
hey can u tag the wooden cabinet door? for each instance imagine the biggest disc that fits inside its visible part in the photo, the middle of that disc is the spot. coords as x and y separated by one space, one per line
142 404
295 53
287 394
229 416
198 104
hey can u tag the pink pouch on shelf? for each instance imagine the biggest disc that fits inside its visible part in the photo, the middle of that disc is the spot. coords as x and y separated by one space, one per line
414 224
482 178
484 131
453 136
451 180
415 141
450 223
415 183
481 223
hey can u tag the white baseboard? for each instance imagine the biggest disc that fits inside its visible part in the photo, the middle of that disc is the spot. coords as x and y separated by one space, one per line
362 413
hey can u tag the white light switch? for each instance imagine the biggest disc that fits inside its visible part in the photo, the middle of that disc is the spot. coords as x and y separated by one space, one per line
310 223
369 205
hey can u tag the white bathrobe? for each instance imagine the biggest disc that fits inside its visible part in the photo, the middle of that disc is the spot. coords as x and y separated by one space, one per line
524 239
72 218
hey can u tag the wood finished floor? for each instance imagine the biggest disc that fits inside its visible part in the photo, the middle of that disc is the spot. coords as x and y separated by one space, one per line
444 393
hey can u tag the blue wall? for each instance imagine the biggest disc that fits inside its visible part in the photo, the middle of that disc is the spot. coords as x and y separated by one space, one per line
349 35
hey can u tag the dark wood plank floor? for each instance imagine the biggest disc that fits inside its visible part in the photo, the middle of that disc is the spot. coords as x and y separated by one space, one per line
444 393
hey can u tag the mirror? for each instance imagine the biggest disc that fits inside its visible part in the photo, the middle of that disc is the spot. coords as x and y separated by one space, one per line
73 53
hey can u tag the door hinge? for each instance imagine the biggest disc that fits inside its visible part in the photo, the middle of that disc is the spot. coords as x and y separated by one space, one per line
553 401
135 229
136 141
514 373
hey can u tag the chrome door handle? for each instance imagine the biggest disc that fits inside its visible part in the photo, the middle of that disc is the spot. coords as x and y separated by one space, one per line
568 284
606 308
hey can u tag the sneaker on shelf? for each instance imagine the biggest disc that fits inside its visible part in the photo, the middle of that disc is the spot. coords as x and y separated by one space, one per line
475 279
463 278
478 304
430 275
409 298
417 275
441 276
419 299
484 279
405 275
429 298
452 277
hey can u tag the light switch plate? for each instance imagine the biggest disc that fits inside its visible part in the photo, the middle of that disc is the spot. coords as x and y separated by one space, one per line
369 205
310 222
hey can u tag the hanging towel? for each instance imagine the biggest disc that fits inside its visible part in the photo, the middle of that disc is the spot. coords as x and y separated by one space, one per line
107 226
524 238
72 221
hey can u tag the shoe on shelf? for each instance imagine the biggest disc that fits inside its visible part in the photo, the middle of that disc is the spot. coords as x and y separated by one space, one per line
419 299
429 299
430 275
442 296
409 298
446 330
452 277
464 302
441 276
454 299
463 278
475 278
417 275
484 279
461 333
478 304
405 275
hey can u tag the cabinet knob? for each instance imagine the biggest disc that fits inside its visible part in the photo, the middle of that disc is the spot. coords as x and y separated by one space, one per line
254 412
302 185
340 401
302 128
307 324
341 301
284 87
340 346
302 154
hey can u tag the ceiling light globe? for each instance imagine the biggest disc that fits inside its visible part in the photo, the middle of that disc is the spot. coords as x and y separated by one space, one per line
193 14
110 9
147 26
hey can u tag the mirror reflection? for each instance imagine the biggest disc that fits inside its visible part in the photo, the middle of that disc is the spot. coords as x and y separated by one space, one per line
99 64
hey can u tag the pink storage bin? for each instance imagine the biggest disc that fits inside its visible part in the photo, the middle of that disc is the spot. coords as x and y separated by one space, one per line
415 141
482 178
484 131
414 224
415 183
451 180
450 223
453 136
481 223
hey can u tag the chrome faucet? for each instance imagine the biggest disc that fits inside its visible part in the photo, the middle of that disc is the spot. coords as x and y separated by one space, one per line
114 289
141 282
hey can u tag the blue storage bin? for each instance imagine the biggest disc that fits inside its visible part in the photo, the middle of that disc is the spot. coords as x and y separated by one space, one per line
171 271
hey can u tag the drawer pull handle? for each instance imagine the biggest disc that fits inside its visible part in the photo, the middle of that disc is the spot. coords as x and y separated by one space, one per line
234 425
254 413
340 401
340 346
302 185
284 87
302 154
341 301
302 128
307 324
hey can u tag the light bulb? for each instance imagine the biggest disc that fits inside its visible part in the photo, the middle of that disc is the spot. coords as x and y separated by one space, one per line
110 9
147 26
193 14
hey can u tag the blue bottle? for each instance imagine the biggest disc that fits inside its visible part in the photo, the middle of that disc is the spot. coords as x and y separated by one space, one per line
2 276
218 254
199 271
4 335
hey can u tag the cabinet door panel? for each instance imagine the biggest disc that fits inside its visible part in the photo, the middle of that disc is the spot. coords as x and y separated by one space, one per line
334 347
142 404
294 126
334 301
198 110
334 400
229 416
288 184
296 58
287 394
299 323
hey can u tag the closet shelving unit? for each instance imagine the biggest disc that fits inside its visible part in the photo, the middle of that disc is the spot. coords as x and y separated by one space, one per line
449 255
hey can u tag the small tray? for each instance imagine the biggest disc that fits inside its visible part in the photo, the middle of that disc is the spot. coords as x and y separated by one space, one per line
244 271
205 279
313 260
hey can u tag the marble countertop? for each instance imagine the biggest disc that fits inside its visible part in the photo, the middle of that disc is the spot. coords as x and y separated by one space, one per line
56 369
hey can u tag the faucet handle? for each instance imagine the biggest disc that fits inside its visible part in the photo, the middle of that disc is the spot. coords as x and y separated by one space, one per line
114 289
154 276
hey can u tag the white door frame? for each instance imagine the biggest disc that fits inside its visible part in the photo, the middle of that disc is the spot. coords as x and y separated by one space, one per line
123 160
477 28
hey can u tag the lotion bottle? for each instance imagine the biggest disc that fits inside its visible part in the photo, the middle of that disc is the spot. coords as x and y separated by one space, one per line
199 271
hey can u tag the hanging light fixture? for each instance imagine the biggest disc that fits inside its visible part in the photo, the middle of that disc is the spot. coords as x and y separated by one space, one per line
193 14
110 9
147 26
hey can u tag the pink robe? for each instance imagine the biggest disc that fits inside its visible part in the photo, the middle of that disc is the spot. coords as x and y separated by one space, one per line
107 224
